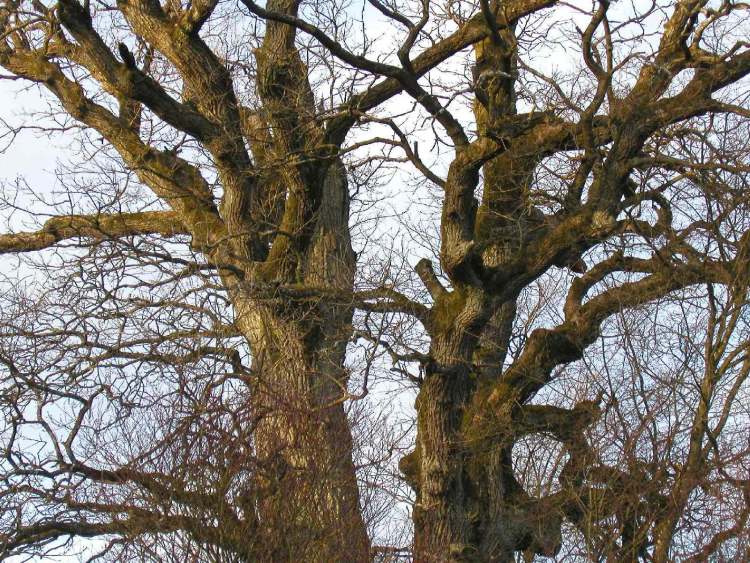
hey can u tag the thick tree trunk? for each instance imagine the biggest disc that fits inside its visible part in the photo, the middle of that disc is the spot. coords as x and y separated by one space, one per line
308 500
445 511
469 506
442 514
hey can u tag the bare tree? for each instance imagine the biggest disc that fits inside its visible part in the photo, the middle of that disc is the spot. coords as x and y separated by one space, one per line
187 364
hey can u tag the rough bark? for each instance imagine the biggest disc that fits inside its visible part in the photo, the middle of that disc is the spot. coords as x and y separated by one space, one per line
309 500
279 242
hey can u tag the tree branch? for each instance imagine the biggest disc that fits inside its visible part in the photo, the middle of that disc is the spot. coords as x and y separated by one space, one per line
96 227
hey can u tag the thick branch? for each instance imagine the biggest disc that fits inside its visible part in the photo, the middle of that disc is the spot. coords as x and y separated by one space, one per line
208 85
548 348
171 178
95 227
125 79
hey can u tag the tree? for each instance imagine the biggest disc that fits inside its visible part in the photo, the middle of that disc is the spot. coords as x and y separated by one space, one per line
179 368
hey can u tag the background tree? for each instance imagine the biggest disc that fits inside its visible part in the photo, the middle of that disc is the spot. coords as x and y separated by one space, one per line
187 360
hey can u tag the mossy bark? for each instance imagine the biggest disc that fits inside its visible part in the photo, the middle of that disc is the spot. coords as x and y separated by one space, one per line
308 499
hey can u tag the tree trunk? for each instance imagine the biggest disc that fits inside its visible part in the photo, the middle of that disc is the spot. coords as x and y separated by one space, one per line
308 497
470 507
308 500
444 514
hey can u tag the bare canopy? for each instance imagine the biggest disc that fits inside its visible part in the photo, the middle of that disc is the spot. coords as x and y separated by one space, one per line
195 364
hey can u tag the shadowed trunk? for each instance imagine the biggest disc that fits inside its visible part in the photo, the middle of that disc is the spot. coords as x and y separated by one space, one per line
308 496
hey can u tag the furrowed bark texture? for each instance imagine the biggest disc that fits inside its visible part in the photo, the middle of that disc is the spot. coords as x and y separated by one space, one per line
283 219
309 502
277 235
304 437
